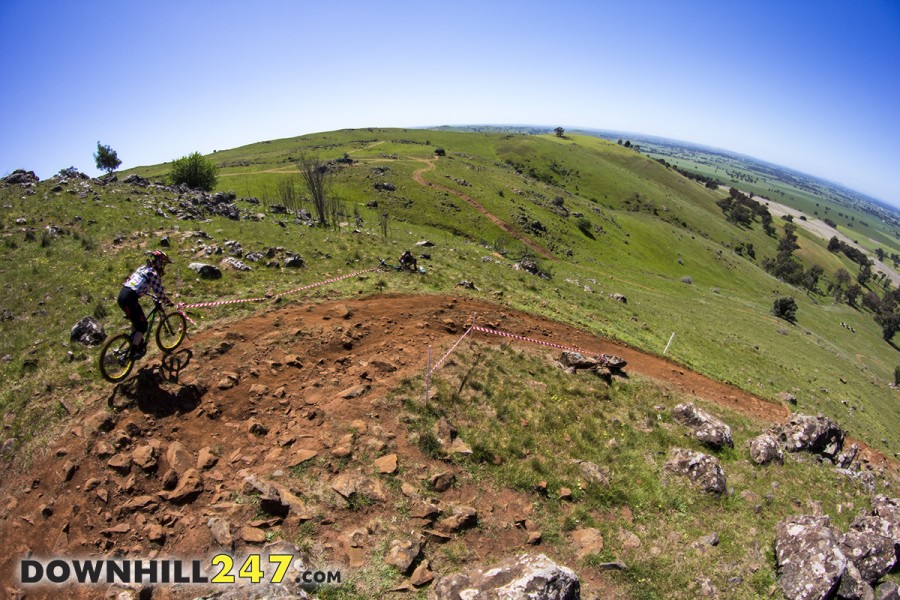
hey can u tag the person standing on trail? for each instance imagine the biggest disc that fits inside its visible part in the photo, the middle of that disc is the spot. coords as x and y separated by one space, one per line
144 279
408 261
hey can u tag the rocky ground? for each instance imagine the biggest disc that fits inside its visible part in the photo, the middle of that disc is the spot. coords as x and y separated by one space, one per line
280 427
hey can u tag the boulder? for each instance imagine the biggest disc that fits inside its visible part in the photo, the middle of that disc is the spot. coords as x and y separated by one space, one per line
766 448
887 591
593 473
818 434
88 331
619 298
707 429
136 180
294 262
701 469
531 576
403 553
808 557
870 551
230 261
20 177
889 510
206 271
577 360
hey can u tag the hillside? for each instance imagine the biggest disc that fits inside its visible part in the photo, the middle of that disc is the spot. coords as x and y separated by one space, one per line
596 219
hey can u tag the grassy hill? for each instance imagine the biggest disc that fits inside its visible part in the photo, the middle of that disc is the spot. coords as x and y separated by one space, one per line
612 220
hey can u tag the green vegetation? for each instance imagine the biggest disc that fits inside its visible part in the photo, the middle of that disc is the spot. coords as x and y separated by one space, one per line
194 171
650 228
106 158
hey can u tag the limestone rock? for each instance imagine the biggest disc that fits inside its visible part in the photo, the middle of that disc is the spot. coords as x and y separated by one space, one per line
526 576
766 448
808 557
707 429
701 469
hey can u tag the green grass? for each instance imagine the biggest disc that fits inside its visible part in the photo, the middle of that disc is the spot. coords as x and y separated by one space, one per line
527 421
651 229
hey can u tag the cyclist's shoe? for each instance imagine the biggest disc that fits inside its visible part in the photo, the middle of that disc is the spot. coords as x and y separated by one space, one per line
139 350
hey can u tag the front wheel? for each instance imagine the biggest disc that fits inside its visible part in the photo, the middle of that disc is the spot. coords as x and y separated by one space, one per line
116 359
171 331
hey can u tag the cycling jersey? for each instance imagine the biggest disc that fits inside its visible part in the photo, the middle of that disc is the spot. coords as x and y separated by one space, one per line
145 279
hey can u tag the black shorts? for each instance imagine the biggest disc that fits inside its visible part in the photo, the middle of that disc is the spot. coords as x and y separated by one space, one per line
128 302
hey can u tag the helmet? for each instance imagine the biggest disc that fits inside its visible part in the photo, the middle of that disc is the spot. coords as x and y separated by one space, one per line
158 257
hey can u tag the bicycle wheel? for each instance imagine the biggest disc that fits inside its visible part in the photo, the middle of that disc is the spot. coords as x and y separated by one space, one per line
171 331
115 358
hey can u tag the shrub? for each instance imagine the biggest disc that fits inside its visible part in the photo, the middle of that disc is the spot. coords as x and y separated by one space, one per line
584 224
785 308
194 171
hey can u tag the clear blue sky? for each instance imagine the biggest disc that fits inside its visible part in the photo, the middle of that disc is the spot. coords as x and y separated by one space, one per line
813 85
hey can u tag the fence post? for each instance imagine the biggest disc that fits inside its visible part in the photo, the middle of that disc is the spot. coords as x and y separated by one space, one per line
427 376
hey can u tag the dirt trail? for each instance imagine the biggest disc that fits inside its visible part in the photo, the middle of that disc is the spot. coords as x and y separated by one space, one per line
429 165
247 398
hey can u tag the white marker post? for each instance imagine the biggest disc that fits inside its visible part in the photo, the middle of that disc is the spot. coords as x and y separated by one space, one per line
670 342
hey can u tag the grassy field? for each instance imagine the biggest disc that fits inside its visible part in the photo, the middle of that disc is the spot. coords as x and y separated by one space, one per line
652 235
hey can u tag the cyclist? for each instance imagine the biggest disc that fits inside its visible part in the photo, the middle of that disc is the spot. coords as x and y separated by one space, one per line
145 279
408 261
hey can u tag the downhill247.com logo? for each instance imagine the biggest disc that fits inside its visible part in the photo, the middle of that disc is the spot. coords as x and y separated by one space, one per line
223 568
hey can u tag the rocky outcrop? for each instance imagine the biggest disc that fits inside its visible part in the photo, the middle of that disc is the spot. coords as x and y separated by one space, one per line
707 429
818 434
868 549
808 557
206 271
526 576
766 448
20 177
701 469
88 331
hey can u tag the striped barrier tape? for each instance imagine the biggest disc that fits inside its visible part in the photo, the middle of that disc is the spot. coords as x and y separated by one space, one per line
450 351
293 291
532 340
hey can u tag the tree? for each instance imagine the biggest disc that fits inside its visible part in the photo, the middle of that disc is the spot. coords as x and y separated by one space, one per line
559 131
194 171
865 273
314 173
106 158
785 308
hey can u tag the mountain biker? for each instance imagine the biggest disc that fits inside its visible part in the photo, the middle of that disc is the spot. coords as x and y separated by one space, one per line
408 261
145 279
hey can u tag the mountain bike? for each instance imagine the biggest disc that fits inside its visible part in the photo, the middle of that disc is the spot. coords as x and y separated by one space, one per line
385 265
118 355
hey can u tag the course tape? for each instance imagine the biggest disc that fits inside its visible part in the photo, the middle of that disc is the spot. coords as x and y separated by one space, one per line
450 351
293 291
532 340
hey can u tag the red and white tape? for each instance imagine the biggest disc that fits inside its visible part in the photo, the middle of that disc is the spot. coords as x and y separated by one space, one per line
450 351
293 291
528 339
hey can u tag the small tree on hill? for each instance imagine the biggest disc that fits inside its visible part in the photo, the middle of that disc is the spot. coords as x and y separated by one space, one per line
559 131
106 158
194 171
314 173
785 308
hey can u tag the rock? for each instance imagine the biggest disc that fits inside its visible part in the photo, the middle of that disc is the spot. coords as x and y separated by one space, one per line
766 448
819 434
846 458
866 546
707 429
120 463
619 298
233 263
422 575
853 586
403 553
889 510
587 541
354 486
88 332
20 177
701 469
354 392
145 457
787 397
808 557
386 465
294 262
593 473
253 535
463 517
140 504
221 531
887 591
526 576
441 482
206 271
179 459
206 459
190 485
577 360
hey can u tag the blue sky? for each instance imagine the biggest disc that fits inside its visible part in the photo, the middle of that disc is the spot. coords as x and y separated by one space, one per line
813 85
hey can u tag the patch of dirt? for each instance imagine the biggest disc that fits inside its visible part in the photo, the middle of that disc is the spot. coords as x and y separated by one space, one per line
252 398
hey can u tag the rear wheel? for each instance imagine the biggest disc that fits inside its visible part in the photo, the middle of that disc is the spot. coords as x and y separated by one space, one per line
115 358
171 331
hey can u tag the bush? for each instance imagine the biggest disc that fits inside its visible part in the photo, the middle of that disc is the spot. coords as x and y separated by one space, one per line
195 172
785 308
